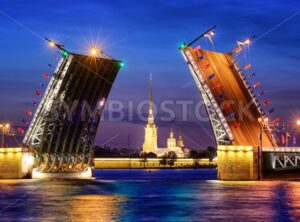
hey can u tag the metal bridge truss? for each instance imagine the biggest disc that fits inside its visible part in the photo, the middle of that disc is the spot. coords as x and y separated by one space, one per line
62 143
285 161
218 122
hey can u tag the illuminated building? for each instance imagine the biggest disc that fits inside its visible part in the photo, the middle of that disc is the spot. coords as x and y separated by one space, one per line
172 146
150 140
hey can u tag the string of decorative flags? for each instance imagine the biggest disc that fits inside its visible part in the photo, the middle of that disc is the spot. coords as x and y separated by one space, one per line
247 69
38 93
286 137
226 106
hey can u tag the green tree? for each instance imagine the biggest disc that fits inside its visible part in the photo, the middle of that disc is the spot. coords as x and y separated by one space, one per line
172 158
163 160
211 152
168 159
195 155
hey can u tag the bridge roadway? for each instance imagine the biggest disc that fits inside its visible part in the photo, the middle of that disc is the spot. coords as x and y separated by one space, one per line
236 93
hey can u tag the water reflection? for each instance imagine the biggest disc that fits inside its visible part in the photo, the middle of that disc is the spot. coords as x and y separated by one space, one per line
138 195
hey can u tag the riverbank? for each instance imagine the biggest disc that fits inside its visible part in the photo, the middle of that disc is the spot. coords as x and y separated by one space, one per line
150 163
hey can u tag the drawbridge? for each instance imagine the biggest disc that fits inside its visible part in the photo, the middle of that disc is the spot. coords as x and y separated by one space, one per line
247 144
63 129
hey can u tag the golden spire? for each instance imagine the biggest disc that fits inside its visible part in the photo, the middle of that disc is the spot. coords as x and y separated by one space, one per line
150 117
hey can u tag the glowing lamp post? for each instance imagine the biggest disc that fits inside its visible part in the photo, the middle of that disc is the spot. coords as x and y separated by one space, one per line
263 123
94 51
5 128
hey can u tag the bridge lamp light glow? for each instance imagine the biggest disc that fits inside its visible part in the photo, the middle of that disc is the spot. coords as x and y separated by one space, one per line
247 42
210 34
121 64
182 46
65 53
94 51
51 44
265 120
298 122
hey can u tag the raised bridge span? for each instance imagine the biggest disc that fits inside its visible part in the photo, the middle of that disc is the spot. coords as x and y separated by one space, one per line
247 148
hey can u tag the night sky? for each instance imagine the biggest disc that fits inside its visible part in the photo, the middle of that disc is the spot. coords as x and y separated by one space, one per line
146 36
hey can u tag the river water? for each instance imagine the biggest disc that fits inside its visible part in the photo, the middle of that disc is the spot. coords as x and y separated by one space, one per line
141 195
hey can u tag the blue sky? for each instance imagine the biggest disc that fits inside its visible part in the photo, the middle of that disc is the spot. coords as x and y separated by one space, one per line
146 35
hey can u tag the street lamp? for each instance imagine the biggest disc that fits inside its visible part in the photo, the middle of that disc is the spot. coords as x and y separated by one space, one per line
298 122
263 122
5 129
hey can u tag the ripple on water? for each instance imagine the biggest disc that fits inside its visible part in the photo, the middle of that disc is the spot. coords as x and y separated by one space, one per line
162 195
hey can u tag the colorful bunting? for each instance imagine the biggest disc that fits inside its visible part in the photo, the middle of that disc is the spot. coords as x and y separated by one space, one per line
238 50
206 66
25 121
42 84
216 86
257 84
226 106
230 116
201 57
260 93
34 103
45 75
267 102
50 65
282 139
211 76
251 75
221 96
20 130
28 112
294 140
277 120
247 67
271 111
236 124
196 48
37 93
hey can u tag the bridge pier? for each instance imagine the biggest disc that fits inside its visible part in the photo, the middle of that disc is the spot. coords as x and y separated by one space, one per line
238 163
86 174
15 163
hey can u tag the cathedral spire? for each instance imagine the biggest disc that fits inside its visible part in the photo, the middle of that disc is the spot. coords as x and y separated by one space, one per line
150 117
150 141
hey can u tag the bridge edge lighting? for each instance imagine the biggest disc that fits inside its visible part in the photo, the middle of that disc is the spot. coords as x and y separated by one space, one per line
182 46
121 64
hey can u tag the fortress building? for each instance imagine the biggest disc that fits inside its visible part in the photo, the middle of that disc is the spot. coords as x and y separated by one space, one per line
150 140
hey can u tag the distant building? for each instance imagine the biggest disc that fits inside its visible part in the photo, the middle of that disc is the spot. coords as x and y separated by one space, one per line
150 139
172 146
